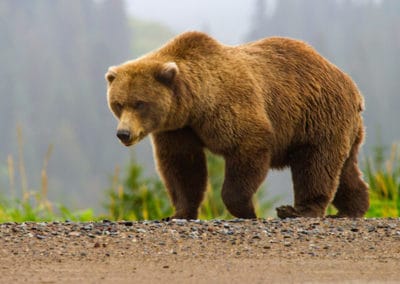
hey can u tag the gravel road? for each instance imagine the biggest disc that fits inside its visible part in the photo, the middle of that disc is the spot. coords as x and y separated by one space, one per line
180 251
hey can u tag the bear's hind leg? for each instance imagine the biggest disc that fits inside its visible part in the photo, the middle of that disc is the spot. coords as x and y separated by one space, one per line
315 174
182 164
351 198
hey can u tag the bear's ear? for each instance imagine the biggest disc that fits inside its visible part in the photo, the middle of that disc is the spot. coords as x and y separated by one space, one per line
167 73
111 74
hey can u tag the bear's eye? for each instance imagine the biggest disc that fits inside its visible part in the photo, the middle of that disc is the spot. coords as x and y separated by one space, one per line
117 108
139 105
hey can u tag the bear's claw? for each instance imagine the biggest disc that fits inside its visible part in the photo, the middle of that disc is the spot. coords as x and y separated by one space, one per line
287 211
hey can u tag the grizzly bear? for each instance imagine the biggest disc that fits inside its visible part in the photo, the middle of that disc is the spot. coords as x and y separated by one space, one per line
272 103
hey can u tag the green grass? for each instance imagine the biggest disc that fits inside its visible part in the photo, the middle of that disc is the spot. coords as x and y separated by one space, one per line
20 211
383 177
34 205
136 198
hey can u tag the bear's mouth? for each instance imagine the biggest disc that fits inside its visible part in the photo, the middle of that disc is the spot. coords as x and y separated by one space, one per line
133 141
127 144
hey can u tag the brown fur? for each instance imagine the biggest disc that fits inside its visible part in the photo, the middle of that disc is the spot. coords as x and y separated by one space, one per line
272 103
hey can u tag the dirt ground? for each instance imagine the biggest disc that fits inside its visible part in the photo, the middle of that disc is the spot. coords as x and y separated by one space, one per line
236 251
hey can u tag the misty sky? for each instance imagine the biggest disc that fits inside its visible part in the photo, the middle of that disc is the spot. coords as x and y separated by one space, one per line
227 20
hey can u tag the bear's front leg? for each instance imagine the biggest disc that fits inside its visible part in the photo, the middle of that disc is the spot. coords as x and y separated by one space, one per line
182 165
244 174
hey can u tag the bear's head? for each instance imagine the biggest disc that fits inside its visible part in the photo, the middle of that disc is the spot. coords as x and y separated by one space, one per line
141 94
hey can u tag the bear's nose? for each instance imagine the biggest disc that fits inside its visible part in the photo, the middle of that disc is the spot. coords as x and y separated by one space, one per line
124 135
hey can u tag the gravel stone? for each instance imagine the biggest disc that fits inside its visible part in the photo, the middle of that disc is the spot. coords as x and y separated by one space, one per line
325 238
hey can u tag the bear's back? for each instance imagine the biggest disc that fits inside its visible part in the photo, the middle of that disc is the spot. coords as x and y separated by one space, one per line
190 46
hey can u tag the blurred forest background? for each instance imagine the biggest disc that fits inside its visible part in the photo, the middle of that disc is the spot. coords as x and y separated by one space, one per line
54 54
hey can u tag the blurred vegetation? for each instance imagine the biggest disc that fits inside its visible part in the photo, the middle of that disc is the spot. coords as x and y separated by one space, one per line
133 197
37 208
27 204
137 198
54 55
382 172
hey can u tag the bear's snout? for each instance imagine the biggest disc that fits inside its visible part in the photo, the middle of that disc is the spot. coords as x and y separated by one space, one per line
124 135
